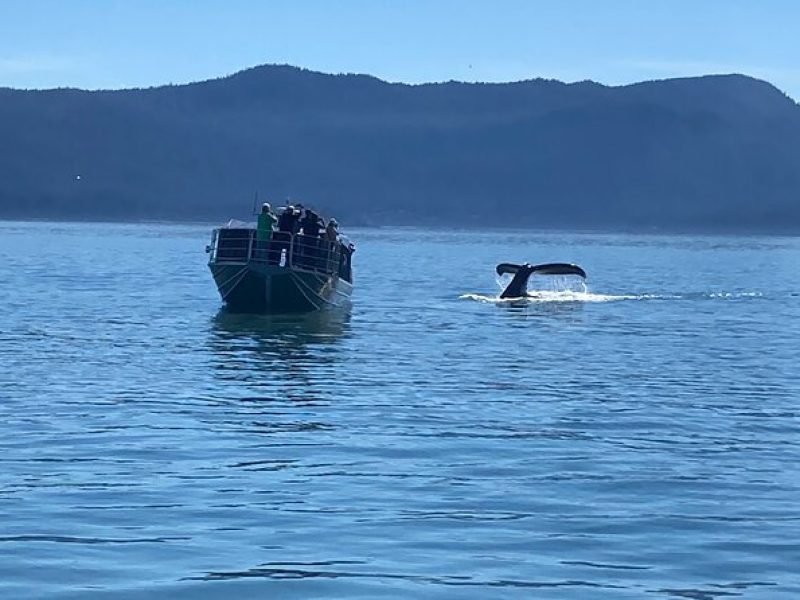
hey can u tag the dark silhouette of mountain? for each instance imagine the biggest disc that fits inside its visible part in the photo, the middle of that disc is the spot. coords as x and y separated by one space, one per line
716 153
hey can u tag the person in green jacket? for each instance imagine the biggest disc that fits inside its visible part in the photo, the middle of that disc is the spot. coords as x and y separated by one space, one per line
266 221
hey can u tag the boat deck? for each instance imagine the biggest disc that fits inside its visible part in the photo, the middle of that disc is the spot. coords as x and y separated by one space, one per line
294 251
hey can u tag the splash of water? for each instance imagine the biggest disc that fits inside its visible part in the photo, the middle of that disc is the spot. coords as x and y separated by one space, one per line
549 288
551 296
572 289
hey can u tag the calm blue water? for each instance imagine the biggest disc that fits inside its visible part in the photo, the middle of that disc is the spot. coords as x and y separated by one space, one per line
639 440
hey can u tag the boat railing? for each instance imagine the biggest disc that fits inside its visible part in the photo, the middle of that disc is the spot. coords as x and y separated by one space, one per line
283 249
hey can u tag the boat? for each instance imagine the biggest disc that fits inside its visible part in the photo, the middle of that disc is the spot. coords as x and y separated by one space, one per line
289 273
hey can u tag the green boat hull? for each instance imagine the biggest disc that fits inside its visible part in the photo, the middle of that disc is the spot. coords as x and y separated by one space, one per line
255 287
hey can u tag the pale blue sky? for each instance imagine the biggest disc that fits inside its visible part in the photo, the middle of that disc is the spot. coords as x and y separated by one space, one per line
125 43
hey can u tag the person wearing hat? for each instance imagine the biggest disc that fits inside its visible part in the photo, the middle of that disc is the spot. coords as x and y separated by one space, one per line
331 237
287 228
286 221
266 223
332 231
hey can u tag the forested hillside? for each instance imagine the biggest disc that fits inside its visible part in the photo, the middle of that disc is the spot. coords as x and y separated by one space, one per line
713 153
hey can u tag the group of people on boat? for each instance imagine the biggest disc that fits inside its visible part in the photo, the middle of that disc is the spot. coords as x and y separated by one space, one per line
294 220
302 236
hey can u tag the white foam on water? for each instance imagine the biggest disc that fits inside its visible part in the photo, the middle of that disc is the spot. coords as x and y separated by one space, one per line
549 296
573 289
735 295
557 289
541 296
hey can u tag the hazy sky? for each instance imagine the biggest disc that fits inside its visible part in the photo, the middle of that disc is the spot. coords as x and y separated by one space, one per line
125 43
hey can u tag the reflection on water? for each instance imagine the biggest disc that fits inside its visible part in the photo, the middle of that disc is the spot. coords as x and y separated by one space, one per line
533 307
319 327
290 357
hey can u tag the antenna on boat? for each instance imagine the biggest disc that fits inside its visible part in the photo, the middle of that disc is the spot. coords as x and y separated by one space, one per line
255 203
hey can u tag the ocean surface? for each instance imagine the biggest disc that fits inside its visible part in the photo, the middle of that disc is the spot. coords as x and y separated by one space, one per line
639 438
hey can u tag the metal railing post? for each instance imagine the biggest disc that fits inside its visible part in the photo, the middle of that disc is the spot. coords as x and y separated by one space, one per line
327 257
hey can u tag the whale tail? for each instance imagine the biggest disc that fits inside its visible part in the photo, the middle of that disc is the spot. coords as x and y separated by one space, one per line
508 268
518 287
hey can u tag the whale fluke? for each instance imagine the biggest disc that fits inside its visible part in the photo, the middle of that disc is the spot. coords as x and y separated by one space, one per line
518 287
506 268
559 269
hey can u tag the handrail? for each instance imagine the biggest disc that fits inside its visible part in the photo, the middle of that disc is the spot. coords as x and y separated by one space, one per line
299 251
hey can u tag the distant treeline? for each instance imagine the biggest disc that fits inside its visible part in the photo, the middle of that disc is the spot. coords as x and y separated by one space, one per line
709 153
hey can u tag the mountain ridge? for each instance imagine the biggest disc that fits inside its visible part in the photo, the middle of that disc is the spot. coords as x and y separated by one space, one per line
715 152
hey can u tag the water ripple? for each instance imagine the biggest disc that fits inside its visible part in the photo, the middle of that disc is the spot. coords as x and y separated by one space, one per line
635 439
